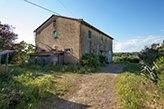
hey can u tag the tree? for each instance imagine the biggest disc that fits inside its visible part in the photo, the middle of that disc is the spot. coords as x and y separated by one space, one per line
23 50
150 54
7 36
2 42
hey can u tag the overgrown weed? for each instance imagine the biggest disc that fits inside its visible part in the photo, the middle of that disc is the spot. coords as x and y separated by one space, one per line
138 92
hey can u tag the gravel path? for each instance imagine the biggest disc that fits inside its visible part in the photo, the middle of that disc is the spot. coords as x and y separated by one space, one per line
93 91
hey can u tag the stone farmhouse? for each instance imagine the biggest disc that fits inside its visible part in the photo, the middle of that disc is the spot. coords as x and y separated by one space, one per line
74 37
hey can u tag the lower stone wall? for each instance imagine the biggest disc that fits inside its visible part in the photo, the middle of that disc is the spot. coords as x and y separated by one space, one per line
41 59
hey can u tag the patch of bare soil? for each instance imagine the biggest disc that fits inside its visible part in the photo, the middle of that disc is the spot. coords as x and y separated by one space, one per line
91 91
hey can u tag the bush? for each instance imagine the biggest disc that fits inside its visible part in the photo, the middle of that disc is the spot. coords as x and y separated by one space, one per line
149 55
133 59
103 59
91 60
136 60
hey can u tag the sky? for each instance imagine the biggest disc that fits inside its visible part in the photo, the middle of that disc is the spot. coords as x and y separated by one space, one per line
132 23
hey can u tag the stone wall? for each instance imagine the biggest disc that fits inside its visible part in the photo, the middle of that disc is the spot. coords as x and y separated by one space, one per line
94 45
68 37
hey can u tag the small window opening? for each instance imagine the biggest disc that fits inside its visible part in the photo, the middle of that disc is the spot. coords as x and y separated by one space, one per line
101 39
68 51
55 34
43 50
54 23
89 34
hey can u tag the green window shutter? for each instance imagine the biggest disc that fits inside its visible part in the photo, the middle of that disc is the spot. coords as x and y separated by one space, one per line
89 34
55 34
101 38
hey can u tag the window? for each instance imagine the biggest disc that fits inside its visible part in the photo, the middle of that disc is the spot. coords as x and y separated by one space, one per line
55 34
89 34
69 51
54 23
101 39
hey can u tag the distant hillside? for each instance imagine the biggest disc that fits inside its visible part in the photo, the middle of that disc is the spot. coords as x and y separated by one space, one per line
125 54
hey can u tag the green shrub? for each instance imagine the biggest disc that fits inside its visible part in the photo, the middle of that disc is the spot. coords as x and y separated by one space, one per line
150 54
91 60
103 59
160 61
136 60
150 73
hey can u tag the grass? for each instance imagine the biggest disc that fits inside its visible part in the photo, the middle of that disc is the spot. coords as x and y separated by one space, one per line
20 87
70 68
138 92
27 84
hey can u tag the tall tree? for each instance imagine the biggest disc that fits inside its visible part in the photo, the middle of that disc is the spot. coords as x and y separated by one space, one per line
7 36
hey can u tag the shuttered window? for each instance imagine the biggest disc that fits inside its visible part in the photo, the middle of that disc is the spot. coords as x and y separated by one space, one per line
89 34
55 34
101 39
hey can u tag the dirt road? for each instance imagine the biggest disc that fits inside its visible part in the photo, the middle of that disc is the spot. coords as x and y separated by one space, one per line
92 91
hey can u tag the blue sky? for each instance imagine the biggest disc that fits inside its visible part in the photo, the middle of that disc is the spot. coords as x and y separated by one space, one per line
132 23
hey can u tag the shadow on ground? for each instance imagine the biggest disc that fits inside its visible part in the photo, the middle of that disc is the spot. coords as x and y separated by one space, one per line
112 68
55 102
64 104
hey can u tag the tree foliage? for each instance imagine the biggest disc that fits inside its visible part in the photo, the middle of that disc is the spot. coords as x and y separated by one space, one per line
7 36
23 50
150 54
2 42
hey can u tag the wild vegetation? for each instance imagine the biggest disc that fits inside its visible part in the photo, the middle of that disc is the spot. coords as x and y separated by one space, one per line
150 54
126 57
92 60
145 91
28 83
136 91
21 87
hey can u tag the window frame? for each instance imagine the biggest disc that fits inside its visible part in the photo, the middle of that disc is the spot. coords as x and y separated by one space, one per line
101 39
55 32
89 34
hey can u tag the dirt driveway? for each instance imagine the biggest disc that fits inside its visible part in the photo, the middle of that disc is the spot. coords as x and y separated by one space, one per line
92 91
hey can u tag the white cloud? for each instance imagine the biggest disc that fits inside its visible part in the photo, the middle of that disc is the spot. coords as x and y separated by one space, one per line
136 44
162 30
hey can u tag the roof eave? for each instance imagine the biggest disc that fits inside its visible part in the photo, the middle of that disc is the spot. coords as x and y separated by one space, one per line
80 20
87 24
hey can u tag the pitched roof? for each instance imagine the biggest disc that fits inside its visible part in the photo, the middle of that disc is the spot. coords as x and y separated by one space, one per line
80 20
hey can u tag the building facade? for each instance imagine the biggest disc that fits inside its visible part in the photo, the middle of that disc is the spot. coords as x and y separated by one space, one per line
73 36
